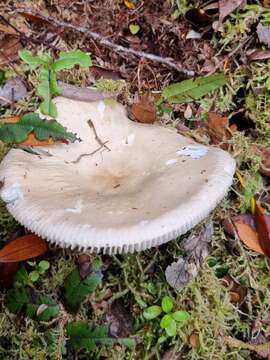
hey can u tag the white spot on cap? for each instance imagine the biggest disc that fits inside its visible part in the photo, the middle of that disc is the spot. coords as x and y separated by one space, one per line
11 194
77 208
171 161
129 140
193 151
101 107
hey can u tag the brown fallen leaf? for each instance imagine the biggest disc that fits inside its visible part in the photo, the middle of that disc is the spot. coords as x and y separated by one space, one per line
23 248
264 153
229 223
144 111
259 348
7 30
219 127
9 47
172 355
226 7
194 340
238 292
119 319
262 222
259 55
84 266
98 72
249 237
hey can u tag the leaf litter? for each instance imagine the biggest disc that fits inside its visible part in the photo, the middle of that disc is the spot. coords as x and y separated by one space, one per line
196 247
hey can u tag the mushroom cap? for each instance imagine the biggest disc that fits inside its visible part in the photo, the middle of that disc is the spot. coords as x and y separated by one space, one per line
145 186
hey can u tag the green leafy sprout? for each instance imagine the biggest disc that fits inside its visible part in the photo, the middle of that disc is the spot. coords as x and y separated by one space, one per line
15 133
169 320
49 67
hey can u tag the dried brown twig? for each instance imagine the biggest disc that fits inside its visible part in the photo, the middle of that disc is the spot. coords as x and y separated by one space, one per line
103 41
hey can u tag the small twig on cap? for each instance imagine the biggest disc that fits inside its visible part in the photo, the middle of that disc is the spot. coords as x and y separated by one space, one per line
101 143
171 63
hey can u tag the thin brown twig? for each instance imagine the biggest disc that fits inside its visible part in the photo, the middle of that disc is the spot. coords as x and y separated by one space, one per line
104 41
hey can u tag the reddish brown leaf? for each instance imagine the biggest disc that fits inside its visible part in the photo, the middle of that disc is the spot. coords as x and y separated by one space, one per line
194 340
84 266
262 222
144 111
237 291
229 223
219 128
249 237
9 47
23 248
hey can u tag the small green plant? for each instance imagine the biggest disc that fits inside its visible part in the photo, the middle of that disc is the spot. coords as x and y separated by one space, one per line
28 278
15 133
170 319
39 269
49 68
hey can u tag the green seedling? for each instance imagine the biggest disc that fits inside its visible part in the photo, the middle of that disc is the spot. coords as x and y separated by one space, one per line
170 319
49 68
28 278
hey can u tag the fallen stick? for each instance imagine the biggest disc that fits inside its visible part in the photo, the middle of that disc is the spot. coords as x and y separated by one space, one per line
102 40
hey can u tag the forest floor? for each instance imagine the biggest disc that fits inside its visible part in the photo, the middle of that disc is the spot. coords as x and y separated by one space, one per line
229 299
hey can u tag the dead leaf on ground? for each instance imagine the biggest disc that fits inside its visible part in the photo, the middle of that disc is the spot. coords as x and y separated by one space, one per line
171 355
9 47
219 128
253 231
180 272
238 292
262 222
263 33
9 30
144 111
264 153
23 248
12 90
119 320
226 7
259 55
98 72
194 340
84 266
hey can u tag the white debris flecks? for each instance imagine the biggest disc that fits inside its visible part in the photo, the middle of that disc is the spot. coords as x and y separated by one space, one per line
129 140
11 194
193 151
171 161
77 208
101 107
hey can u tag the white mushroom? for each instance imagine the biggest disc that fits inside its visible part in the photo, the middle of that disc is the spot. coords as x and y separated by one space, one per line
125 187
